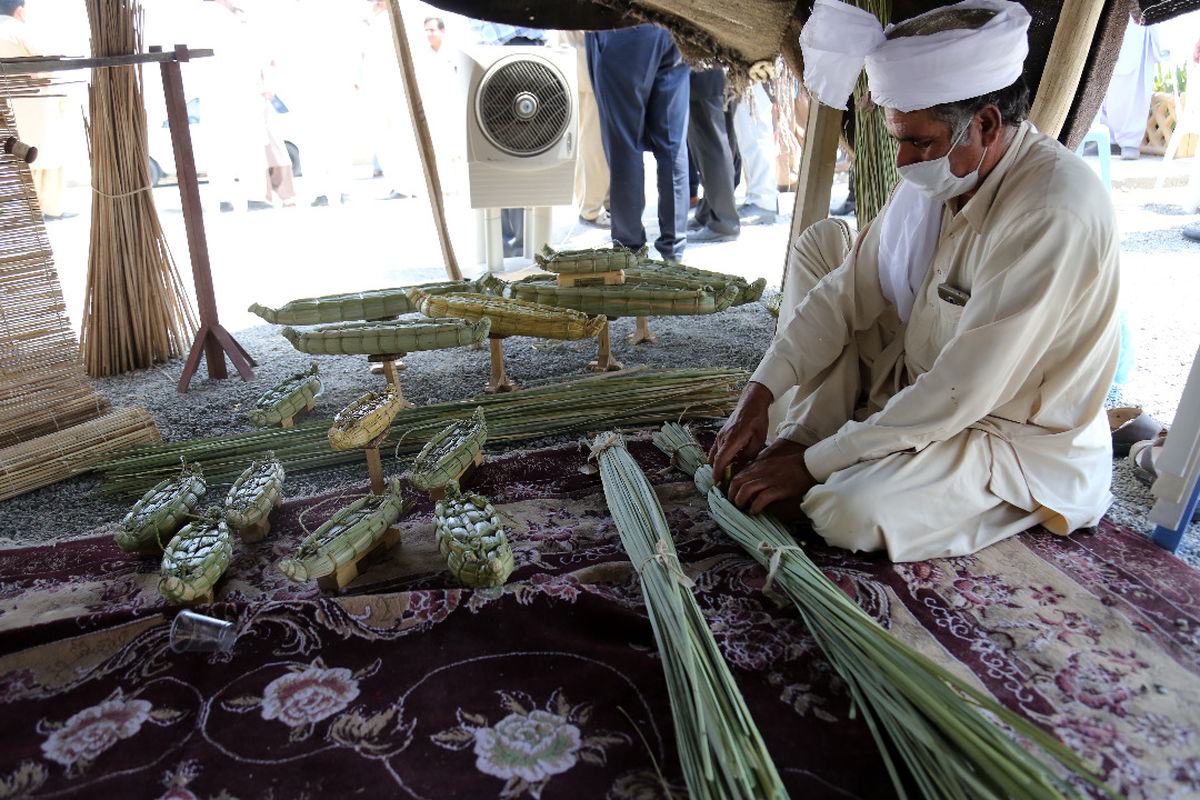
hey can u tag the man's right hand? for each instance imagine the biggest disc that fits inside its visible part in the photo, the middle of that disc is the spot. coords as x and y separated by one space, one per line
744 433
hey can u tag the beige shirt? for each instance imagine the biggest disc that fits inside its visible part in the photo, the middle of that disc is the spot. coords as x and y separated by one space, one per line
1029 358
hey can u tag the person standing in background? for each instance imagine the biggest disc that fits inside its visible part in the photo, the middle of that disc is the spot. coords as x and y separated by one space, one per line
641 86
591 168
1126 108
40 120
711 151
755 132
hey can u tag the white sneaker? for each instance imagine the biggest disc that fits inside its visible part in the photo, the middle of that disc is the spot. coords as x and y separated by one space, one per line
602 220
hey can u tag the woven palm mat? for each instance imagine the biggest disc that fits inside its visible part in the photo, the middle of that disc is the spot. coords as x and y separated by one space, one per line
405 686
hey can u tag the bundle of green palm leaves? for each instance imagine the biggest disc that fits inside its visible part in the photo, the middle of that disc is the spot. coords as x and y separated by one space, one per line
637 396
722 753
933 723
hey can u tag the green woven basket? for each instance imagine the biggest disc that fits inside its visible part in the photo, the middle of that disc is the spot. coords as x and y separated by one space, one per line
377 304
512 317
195 559
161 511
399 336
286 399
629 300
585 262
471 538
448 453
255 492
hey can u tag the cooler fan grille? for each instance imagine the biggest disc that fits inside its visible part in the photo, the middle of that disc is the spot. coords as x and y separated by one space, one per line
523 105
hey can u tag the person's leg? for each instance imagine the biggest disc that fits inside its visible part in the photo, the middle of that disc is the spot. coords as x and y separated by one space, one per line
934 503
708 146
756 141
666 132
622 67
592 172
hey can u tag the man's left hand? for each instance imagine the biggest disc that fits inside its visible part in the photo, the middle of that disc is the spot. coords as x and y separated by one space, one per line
777 476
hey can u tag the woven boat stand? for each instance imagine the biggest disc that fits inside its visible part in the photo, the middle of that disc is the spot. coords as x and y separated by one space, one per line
389 364
499 381
378 552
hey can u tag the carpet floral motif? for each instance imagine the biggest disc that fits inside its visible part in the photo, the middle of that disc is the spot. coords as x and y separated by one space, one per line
408 685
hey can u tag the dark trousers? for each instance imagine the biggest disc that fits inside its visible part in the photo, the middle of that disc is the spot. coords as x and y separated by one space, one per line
708 144
641 86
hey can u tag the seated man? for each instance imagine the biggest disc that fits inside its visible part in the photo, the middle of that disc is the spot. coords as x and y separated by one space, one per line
941 382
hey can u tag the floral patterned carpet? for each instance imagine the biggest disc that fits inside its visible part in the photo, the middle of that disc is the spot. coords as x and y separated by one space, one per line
404 685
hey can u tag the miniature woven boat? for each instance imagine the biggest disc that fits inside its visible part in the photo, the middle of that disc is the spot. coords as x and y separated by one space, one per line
471 539
681 276
364 419
347 536
161 511
629 300
448 453
255 492
195 559
586 262
378 304
513 317
399 336
286 399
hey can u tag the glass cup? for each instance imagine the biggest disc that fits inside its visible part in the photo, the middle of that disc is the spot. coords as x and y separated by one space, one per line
197 633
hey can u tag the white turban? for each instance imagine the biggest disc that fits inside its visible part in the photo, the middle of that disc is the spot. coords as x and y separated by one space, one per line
911 72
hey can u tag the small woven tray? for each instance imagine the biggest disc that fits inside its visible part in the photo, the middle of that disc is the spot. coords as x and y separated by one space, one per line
638 300
286 398
364 419
584 262
512 317
400 336
448 453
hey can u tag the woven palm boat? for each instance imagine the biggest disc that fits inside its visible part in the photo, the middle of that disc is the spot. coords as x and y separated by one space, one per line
471 539
347 536
399 336
628 300
364 419
350 306
286 399
680 276
448 453
161 511
195 559
588 262
255 492
512 317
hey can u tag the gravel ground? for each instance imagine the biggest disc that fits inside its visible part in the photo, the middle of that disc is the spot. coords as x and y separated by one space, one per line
1163 327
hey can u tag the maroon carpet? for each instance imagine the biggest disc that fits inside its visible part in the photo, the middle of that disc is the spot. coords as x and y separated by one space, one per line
406 686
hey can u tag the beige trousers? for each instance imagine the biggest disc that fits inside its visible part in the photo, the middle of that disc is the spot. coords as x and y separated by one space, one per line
916 505
591 169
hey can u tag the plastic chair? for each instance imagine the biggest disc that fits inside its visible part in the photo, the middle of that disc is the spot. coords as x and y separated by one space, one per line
1099 135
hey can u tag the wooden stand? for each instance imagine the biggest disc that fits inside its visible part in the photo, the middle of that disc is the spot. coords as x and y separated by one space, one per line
256 532
389 364
374 464
499 381
614 278
604 358
438 492
287 422
339 579
641 333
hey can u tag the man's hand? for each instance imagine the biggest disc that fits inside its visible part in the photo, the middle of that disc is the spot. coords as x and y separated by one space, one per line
744 433
777 477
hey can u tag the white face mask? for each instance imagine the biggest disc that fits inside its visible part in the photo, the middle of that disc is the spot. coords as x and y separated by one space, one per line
934 178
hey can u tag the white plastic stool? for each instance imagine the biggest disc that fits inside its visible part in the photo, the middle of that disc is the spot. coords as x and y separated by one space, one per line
1099 135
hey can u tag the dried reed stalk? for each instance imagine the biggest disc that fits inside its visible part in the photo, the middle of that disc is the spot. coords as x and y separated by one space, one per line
874 150
137 311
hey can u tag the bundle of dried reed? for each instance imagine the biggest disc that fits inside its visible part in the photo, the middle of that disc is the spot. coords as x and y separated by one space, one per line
137 311
57 456
43 388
